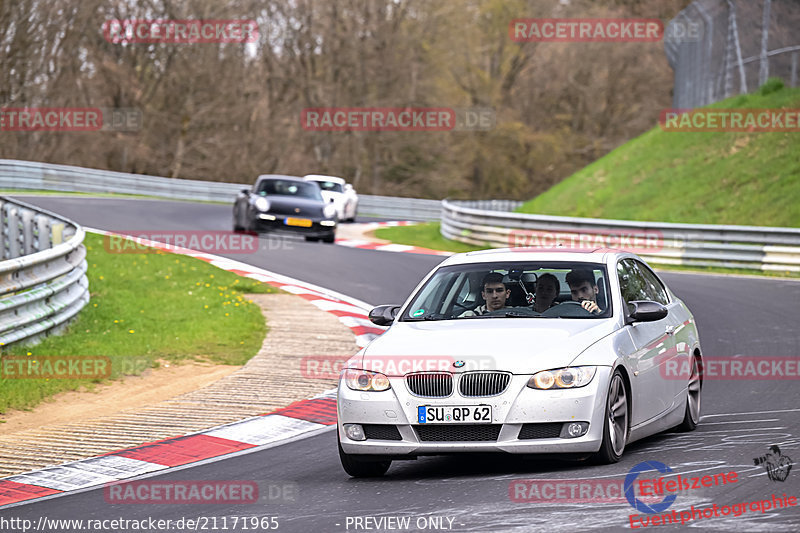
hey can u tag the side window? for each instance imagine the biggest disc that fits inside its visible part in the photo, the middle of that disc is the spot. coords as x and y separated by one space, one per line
631 284
638 283
654 285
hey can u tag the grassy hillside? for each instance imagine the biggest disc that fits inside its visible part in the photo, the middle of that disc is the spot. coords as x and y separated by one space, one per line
714 178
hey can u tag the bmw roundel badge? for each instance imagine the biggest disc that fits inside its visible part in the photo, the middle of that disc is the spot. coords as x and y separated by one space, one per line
459 364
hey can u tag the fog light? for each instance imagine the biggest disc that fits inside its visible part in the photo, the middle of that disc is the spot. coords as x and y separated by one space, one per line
572 430
354 432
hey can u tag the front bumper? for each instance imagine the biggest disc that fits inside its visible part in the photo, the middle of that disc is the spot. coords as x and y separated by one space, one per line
267 222
516 407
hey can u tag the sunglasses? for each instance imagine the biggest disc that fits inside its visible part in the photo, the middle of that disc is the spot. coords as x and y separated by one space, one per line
491 290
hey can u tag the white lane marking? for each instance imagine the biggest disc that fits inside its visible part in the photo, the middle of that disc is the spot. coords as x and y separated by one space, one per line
363 340
117 466
352 322
329 305
742 421
754 413
733 430
264 429
395 247
64 478
296 289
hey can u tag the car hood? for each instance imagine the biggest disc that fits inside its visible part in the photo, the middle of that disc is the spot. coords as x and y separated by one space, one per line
517 345
287 204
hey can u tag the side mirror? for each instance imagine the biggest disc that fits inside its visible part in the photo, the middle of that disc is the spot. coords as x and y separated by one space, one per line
245 191
331 200
645 311
383 315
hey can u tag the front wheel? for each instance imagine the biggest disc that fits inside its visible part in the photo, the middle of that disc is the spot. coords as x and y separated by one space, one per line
359 466
329 238
692 415
615 426
237 227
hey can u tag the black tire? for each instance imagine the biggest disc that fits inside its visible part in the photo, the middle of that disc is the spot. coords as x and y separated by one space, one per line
236 226
691 416
616 422
329 238
362 466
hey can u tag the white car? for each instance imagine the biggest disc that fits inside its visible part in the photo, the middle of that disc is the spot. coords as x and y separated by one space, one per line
613 357
335 189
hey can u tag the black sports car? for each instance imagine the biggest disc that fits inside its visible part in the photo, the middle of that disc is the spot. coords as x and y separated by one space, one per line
285 203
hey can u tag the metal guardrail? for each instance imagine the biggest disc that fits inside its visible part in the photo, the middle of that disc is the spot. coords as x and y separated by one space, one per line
48 177
481 222
751 247
43 280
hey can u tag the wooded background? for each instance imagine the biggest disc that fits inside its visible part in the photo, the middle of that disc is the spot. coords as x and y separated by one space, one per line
228 112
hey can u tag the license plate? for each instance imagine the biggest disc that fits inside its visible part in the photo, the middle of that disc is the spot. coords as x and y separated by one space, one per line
454 414
304 222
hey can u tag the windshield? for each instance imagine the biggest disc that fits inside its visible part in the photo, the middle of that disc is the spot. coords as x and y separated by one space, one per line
330 186
301 189
513 290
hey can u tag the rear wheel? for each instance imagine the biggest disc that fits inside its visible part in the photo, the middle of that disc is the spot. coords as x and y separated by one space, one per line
692 415
615 427
361 465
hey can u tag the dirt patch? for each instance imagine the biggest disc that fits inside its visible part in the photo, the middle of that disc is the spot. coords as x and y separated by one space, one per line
153 386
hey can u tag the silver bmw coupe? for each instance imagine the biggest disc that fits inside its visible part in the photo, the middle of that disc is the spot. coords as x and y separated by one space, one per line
522 351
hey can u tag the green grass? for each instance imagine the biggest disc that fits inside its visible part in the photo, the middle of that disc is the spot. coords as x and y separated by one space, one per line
711 178
146 307
695 178
426 235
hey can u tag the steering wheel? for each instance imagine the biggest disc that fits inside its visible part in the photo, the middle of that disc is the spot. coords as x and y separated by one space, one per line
568 309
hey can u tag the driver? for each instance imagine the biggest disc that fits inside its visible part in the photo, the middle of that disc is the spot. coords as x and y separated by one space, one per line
583 289
494 294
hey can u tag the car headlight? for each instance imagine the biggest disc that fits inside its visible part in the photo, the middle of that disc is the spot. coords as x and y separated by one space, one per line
329 211
262 204
563 378
364 380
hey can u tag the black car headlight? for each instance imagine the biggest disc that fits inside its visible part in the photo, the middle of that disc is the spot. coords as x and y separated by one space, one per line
563 378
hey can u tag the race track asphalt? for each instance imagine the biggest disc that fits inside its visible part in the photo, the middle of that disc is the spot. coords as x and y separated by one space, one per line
735 315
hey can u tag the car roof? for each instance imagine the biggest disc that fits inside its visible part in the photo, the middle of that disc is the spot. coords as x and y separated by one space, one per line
278 177
321 177
572 255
